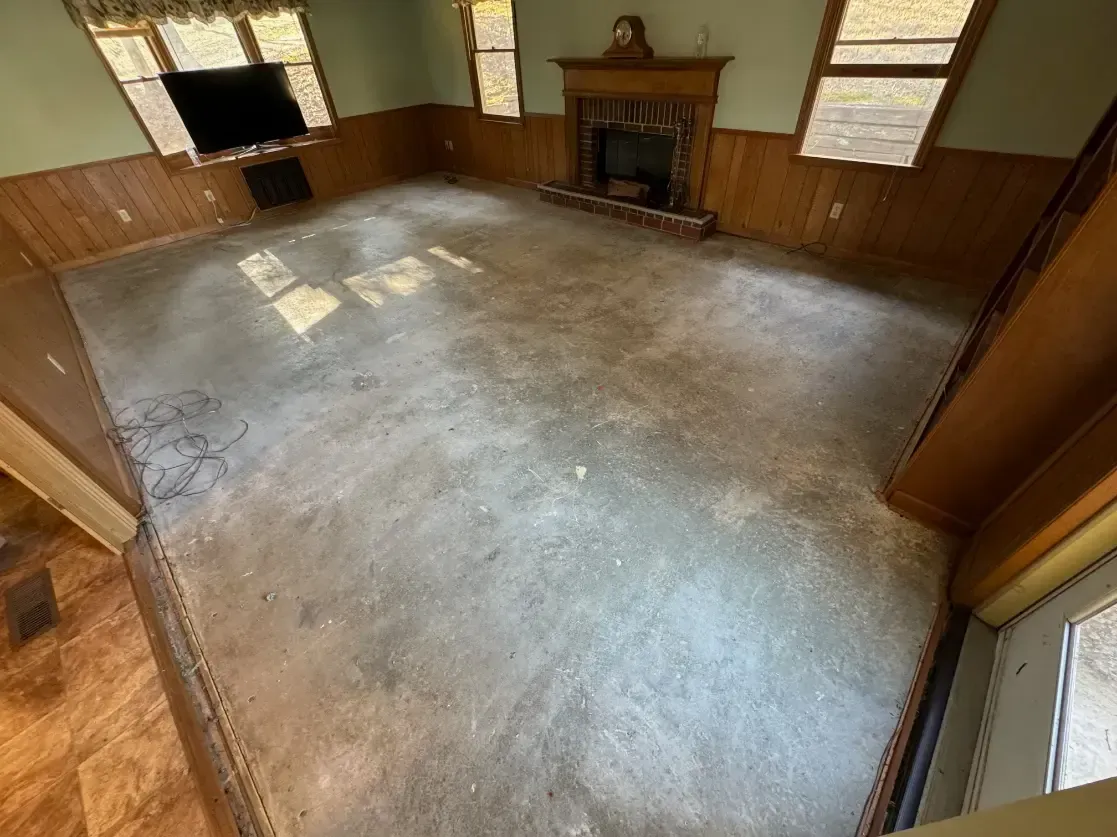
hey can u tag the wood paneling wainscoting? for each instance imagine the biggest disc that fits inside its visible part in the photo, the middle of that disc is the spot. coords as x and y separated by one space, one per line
961 217
70 216
523 155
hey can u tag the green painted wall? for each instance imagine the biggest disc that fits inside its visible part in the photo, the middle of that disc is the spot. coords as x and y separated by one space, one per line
370 54
761 89
443 46
1042 76
60 107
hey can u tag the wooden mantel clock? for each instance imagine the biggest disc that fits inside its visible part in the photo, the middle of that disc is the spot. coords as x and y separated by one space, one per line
628 39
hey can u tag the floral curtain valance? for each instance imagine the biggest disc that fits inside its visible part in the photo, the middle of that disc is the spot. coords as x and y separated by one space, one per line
132 12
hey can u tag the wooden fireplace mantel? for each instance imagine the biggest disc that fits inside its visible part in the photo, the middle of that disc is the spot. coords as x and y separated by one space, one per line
690 80
673 79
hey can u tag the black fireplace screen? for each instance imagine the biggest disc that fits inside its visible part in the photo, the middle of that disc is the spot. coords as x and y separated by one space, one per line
643 158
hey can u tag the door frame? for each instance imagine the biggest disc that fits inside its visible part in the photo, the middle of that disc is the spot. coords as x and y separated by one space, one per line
28 456
1057 732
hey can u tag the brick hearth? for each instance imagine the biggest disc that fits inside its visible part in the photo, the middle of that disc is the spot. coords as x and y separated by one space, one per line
687 224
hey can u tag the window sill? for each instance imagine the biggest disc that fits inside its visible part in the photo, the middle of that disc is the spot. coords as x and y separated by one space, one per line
844 163
181 162
503 120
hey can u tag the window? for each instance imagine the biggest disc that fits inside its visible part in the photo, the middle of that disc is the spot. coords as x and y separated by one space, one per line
494 64
883 77
137 54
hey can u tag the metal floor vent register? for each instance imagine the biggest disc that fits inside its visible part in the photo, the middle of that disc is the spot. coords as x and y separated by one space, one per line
32 608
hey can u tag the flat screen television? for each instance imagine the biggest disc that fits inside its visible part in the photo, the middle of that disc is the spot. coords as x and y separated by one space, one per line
235 106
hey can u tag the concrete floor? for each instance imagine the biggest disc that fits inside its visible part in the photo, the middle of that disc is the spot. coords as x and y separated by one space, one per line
708 631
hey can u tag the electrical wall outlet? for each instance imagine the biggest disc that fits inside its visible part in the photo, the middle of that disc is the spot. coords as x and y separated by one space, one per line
209 196
124 216
449 145
836 210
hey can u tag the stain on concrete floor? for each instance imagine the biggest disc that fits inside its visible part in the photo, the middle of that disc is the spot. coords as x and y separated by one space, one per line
708 631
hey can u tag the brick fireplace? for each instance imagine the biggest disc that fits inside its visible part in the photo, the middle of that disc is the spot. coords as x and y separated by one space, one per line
642 119
638 133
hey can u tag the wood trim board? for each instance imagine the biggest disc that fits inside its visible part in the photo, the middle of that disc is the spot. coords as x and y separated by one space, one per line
191 704
1066 497
1086 546
30 458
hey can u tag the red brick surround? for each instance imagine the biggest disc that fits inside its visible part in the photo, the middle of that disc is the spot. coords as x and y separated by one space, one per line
650 117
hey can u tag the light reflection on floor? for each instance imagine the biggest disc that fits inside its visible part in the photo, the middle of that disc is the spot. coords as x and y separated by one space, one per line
267 272
307 306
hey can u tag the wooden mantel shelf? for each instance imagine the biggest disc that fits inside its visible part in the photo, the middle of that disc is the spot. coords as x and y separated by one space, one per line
658 79
685 63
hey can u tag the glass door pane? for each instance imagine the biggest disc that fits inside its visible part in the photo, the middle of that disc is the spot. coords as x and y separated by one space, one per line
1088 740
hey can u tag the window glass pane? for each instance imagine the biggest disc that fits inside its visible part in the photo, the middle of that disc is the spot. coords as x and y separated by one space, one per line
159 115
904 19
496 76
1090 737
313 105
492 24
196 45
883 54
281 38
129 57
880 120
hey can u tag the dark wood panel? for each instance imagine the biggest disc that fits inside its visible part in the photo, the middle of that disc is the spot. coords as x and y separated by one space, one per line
752 159
863 198
1048 370
721 156
960 217
769 185
71 216
1068 491
534 152
45 375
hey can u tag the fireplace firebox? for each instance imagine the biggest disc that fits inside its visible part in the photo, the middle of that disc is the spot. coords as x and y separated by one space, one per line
637 157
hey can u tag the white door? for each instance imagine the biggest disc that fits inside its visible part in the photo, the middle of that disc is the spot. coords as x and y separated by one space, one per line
1051 714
